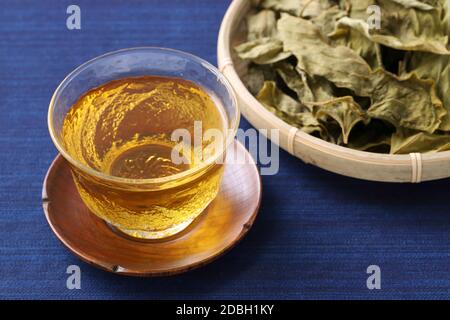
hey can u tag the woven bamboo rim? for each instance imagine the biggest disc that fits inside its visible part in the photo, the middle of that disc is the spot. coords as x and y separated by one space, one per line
413 168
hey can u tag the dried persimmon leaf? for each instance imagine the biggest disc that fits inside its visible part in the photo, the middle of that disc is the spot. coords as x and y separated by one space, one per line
262 51
340 65
437 68
308 89
406 102
344 110
422 5
287 109
407 141
405 28
262 25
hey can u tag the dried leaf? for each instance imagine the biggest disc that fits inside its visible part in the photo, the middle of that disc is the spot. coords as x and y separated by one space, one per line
406 102
256 76
356 41
321 88
358 9
296 81
262 25
407 141
262 51
288 109
436 67
343 35
345 111
327 20
340 65
422 5
307 89
405 28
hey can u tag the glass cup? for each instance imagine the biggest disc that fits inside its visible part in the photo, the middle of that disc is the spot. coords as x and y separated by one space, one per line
146 208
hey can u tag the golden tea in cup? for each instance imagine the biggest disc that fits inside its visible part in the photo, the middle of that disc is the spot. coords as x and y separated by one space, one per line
118 120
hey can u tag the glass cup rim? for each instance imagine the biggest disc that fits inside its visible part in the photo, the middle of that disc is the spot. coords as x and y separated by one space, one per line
230 134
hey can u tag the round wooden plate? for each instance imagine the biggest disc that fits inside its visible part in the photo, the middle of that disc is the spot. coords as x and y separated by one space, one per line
227 219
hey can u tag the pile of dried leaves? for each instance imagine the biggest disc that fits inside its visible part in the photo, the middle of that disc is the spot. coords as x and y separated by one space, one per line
320 66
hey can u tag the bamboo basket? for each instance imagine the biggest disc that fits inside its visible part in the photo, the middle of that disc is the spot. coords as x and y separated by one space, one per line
412 168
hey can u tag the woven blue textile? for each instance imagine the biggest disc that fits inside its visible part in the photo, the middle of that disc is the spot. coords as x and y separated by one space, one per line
316 233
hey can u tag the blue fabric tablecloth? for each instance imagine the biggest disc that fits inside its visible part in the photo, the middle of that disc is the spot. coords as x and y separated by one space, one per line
316 233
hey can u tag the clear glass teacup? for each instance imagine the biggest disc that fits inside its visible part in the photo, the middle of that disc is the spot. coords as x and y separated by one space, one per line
127 134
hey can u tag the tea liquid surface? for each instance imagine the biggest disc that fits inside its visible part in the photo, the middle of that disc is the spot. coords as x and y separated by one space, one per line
124 127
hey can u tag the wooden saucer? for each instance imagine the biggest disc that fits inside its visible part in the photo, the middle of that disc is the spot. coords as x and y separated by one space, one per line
227 219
